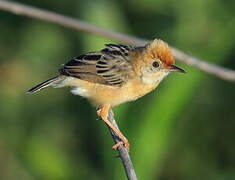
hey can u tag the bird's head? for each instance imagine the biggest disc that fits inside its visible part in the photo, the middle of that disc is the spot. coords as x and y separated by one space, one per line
154 62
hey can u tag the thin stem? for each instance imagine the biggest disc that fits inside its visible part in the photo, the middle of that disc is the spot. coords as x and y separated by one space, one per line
123 153
20 9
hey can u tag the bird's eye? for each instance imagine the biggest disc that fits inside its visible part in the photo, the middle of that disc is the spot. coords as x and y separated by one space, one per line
155 64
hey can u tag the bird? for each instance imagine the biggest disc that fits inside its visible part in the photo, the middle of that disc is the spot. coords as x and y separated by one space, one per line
114 75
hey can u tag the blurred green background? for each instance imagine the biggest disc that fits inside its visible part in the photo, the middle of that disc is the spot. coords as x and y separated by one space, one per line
183 130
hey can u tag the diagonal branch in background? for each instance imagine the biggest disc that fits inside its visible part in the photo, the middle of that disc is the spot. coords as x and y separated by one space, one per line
17 8
72 23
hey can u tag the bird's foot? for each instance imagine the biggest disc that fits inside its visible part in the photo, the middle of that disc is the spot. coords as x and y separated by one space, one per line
103 113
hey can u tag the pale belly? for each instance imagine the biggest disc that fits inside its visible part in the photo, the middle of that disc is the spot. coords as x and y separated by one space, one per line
118 95
100 94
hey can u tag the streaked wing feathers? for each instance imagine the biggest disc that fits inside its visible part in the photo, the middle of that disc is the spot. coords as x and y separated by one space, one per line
109 66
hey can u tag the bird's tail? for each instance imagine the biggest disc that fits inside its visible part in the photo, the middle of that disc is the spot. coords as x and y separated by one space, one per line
49 82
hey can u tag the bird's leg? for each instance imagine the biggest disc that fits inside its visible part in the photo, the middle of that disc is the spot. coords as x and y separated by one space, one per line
99 112
103 112
111 111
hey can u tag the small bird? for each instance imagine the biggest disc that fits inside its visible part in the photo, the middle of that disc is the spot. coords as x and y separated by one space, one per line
115 75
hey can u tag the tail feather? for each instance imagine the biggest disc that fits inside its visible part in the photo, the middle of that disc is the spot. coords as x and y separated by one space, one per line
45 84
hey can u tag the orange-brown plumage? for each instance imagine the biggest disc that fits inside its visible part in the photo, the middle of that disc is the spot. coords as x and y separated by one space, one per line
115 75
160 50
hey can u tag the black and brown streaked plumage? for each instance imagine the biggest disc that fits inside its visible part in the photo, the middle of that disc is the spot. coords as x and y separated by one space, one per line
114 75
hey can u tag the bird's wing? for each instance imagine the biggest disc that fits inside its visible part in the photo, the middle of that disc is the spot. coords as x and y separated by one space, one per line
110 66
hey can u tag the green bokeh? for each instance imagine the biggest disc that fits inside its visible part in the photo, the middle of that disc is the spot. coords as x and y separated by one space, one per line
182 130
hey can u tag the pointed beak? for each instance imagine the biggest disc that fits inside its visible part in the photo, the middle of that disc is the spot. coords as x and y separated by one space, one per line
174 68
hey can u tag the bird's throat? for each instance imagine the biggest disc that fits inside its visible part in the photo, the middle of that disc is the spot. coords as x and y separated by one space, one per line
154 78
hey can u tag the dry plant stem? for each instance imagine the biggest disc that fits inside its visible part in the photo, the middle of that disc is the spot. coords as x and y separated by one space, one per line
17 8
80 25
123 153
73 23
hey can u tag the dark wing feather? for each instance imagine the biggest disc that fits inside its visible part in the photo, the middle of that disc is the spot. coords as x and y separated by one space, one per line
108 66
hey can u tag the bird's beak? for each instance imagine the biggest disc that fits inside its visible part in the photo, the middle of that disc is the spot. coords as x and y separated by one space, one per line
174 68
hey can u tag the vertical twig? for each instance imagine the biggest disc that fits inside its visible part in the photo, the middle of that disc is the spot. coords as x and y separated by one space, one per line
123 153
